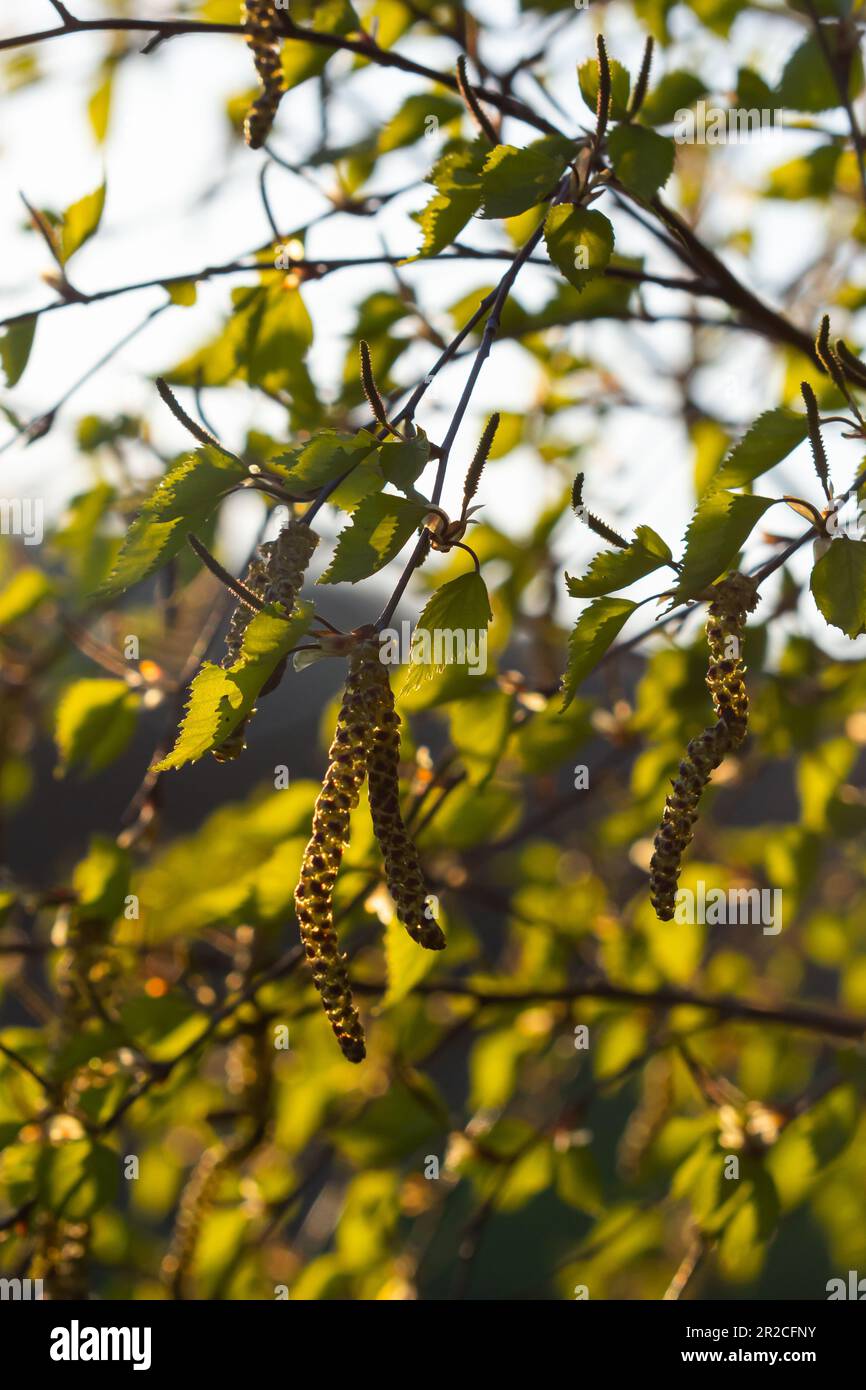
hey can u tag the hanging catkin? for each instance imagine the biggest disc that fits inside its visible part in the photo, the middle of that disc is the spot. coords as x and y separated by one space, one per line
402 865
366 741
263 37
341 791
195 1204
733 598
275 575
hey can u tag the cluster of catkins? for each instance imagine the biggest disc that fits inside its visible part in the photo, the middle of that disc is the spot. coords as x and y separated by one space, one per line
366 744
263 37
733 599
274 575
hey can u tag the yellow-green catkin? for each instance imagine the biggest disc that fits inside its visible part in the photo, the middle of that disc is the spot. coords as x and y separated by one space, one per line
403 874
366 744
263 37
275 575
195 1203
733 599
314 895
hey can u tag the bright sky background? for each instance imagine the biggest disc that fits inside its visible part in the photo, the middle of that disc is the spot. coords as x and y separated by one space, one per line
182 193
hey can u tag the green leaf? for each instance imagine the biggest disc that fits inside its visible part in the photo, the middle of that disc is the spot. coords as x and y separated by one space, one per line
643 159
457 177
380 527
677 91
718 529
265 340
807 83
480 729
410 1113
460 608
620 85
301 61
15 345
220 698
183 292
578 1180
403 462
405 964
281 333
752 90
769 440
580 243
80 221
615 569
596 629
27 588
324 458
101 880
820 773
443 220
838 585
418 116
163 1026
811 175
515 180
182 502
99 104
78 1177
95 721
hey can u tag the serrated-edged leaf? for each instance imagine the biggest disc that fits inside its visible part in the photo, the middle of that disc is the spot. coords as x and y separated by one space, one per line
770 439
620 85
186 496
580 243
838 585
643 159
80 221
457 614
460 170
380 527
443 219
614 569
95 721
718 529
220 698
596 629
403 461
27 588
325 457
515 180
16 343
457 178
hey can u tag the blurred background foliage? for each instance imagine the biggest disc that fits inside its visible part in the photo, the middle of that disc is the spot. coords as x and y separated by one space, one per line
175 1119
